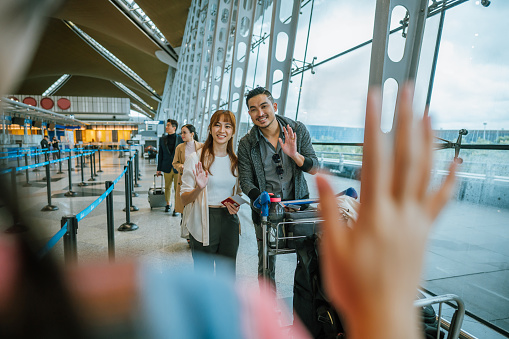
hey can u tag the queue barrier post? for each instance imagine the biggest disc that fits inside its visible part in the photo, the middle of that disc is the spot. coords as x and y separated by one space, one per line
49 206
70 239
36 158
91 167
82 183
18 227
17 158
95 173
128 225
136 169
131 174
70 192
27 183
99 156
60 162
109 223
131 192
138 165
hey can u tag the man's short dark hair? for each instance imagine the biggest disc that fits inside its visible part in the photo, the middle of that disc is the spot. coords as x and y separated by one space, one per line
174 123
257 91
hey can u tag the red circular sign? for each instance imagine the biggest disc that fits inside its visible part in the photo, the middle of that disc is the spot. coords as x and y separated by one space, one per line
47 103
63 103
30 101
13 98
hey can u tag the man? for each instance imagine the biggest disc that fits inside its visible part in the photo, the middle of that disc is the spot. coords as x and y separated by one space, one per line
273 157
167 145
45 143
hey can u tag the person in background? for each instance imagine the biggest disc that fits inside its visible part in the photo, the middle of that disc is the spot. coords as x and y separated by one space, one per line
182 152
273 157
54 144
45 143
167 146
209 177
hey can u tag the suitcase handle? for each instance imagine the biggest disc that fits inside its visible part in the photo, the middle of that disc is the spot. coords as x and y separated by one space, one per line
162 177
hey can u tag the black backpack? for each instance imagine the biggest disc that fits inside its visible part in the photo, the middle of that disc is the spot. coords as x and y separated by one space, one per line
310 303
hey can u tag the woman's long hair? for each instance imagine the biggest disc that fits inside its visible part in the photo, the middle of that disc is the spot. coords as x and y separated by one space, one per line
207 153
191 129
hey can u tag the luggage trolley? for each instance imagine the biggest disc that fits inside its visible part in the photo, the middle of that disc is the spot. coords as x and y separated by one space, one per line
282 238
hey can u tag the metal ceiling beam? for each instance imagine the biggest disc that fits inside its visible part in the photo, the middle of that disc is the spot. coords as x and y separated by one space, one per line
142 26
112 59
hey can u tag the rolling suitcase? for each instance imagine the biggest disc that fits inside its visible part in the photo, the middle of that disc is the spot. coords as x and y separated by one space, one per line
156 195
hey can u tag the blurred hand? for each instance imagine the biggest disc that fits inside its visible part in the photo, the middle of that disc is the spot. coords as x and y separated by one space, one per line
372 270
158 173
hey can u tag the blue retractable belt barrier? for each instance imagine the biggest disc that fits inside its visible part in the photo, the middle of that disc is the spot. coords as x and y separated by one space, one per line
52 242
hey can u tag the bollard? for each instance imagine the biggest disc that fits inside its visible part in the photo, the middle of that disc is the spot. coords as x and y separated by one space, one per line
95 173
27 183
99 154
18 226
128 225
70 192
131 176
70 240
91 168
36 158
109 223
49 206
60 162
138 165
78 161
17 157
131 193
82 183
136 169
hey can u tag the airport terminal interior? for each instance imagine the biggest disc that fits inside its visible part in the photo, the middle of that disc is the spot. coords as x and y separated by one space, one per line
107 75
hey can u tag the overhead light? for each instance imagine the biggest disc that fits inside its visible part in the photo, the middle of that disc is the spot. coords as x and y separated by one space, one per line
56 85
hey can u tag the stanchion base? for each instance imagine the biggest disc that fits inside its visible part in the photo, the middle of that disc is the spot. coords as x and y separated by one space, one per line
16 228
36 170
128 226
82 184
133 209
49 208
70 194
135 194
137 185
27 184
91 179
96 175
19 173
99 171
60 172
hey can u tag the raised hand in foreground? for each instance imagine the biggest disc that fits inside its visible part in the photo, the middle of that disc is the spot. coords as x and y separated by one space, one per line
372 270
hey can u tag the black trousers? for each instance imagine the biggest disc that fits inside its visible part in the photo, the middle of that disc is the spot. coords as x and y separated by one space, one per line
223 242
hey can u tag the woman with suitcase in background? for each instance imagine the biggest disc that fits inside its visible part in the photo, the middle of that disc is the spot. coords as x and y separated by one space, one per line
182 152
210 176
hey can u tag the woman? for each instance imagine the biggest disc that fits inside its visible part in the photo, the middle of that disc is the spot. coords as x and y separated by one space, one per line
209 177
182 152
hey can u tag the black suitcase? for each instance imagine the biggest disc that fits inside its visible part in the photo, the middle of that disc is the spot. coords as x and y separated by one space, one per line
156 195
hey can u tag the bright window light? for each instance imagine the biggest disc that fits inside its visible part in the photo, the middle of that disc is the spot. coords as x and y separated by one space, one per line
56 85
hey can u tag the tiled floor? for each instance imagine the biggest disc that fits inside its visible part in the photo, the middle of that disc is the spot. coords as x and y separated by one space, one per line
472 262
